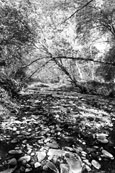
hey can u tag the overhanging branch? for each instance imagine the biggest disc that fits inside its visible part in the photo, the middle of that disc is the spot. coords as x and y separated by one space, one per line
88 59
77 11
71 58
32 62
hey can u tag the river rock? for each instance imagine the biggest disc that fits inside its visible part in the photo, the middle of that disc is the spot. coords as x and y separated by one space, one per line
29 151
107 154
24 141
54 152
15 152
96 164
74 163
25 159
87 162
64 168
17 132
41 141
28 169
102 137
37 164
87 168
14 129
14 141
53 144
12 162
68 148
41 155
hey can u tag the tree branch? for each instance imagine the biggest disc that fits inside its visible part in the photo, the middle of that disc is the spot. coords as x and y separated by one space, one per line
77 11
71 58
32 62
88 59
39 68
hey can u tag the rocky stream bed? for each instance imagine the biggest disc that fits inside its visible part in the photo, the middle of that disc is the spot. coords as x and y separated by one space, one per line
59 131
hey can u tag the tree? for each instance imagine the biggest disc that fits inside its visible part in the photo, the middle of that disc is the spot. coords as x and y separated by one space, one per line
99 18
108 71
16 37
16 41
55 42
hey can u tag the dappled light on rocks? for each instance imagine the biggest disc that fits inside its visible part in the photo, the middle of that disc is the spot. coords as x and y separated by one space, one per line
58 131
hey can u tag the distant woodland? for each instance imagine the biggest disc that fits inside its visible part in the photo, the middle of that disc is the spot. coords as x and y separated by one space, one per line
69 42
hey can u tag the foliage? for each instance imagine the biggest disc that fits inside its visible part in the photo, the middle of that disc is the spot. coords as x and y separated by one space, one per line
99 19
108 71
10 85
16 38
95 16
16 41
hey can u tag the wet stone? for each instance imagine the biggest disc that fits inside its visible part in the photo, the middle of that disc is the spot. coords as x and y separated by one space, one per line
14 141
87 162
22 169
87 168
53 152
28 169
24 141
32 154
14 129
96 164
25 159
28 165
37 164
41 141
17 148
64 168
12 162
26 133
52 131
107 154
41 155
53 145
29 151
15 152
29 130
